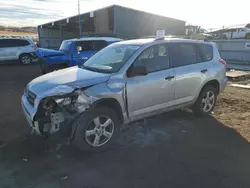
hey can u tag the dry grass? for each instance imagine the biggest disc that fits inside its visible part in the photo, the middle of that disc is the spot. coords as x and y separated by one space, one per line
11 33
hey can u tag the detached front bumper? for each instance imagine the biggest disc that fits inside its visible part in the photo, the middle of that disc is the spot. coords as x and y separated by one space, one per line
40 125
30 113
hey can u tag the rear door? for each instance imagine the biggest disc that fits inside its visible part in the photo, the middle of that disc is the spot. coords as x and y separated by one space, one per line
15 47
191 69
11 49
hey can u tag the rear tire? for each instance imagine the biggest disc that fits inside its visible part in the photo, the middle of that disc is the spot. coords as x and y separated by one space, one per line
25 59
206 101
96 129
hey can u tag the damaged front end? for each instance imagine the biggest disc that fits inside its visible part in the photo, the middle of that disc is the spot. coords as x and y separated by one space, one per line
58 108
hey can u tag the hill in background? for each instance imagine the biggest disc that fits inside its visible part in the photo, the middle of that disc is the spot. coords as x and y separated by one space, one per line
19 29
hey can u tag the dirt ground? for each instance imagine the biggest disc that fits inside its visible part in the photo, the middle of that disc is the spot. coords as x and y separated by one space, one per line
233 109
175 149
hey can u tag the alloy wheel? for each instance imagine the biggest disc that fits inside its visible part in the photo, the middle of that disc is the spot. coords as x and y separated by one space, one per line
208 101
99 131
26 60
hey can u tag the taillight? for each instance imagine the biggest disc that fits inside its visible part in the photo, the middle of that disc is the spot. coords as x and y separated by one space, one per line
222 61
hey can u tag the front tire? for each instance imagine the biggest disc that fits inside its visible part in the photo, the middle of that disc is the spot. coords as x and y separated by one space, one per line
206 101
51 68
25 59
96 129
44 68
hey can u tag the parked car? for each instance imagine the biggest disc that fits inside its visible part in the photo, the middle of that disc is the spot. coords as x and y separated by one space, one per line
122 83
12 49
72 52
237 33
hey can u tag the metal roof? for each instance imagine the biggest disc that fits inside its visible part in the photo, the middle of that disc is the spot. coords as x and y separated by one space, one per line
114 5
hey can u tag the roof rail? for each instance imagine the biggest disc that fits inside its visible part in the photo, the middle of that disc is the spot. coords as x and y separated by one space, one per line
160 38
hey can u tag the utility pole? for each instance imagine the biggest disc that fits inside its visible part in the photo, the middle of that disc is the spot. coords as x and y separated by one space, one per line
80 24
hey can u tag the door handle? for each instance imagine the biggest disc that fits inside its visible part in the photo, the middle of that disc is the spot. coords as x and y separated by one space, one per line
169 78
204 71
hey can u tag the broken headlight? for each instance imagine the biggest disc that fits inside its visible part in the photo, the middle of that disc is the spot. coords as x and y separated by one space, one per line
48 104
64 101
67 100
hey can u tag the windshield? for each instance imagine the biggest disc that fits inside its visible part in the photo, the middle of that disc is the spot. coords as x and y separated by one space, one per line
111 58
65 46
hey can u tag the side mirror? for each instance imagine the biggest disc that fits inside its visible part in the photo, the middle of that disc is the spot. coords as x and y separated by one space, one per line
78 49
137 71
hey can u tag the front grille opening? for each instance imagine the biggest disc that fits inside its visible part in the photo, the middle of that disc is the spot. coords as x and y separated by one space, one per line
31 97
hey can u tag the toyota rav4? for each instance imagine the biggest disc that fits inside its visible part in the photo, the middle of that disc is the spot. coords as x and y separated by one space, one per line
122 83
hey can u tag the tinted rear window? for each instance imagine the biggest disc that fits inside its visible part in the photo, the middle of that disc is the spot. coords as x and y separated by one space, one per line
3 43
22 43
207 51
13 43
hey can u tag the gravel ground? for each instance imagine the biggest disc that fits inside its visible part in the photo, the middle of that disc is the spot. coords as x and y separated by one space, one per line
175 149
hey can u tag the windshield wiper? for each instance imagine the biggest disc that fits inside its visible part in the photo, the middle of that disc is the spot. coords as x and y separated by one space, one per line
94 69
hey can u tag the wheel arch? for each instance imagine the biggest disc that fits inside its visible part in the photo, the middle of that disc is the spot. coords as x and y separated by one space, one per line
214 83
24 53
107 102
113 104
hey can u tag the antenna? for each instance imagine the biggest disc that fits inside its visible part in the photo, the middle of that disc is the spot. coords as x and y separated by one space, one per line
80 25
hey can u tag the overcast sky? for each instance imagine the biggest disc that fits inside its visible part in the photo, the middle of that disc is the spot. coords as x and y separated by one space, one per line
207 13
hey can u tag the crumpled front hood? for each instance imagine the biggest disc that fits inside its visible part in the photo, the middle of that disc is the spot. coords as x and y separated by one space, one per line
42 52
74 77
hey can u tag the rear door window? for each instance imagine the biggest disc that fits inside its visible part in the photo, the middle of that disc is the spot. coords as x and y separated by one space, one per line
99 44
207 51
5 43
13 43
183 54
22 42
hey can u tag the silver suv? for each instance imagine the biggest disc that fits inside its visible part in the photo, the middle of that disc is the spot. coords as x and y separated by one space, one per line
122 83
21 49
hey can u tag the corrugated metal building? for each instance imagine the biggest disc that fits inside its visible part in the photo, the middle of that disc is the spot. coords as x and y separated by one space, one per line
116 21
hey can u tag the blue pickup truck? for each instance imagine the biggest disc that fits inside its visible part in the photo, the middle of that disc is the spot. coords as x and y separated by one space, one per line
72 52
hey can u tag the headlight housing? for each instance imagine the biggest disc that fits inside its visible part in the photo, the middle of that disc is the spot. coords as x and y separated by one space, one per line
76 100
68 99
64 101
